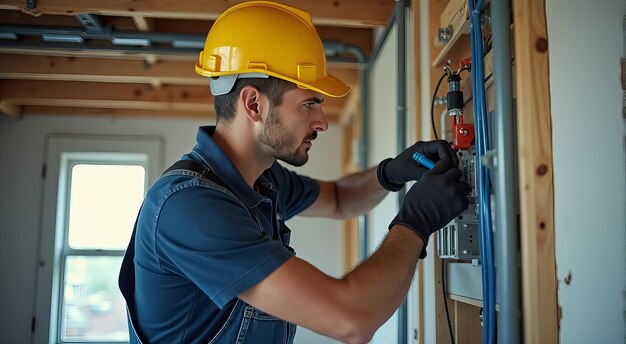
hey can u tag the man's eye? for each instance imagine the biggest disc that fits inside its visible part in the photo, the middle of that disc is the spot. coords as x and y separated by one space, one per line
308 105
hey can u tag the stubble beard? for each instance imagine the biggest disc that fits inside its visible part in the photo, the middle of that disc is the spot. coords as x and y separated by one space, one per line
281 142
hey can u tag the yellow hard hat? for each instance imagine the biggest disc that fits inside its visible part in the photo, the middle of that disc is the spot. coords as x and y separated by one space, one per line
264 38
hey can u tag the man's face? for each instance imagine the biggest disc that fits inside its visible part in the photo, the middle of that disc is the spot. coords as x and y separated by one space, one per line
289 129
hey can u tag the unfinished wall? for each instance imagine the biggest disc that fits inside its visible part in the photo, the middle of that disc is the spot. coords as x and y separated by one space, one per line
585 45
21 157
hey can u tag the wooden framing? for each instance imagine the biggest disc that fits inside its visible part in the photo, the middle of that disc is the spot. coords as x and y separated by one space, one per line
122 96
350 234
37 67
342 20
342 12
11 110
142 23
29 110
467 323
534 131
7 108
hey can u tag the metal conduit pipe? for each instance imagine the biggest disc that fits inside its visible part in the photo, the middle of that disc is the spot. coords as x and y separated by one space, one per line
77 35
506 242
400 17
380 42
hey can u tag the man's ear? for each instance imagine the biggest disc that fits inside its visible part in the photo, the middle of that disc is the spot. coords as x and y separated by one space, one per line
253 102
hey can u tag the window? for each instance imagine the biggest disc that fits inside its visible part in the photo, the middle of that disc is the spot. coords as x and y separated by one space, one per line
103 196
98 193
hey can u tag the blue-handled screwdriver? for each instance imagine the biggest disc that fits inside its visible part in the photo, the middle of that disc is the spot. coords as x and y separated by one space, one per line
423 160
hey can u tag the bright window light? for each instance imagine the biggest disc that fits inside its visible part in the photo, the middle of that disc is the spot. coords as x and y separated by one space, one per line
104 200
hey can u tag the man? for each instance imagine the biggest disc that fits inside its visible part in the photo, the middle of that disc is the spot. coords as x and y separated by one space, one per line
211 257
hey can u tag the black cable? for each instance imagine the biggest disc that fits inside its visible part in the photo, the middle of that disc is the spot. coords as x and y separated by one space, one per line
445 298
432 106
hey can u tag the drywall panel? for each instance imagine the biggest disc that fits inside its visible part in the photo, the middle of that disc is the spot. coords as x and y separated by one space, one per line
21 157
585 45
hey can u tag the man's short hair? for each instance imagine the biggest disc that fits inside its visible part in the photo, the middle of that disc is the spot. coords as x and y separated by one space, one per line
274 88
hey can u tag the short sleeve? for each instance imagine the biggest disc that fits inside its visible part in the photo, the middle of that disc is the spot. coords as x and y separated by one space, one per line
210 238
297 192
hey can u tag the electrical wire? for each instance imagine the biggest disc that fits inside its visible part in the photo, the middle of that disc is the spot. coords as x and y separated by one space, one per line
445 298
432 105
482 144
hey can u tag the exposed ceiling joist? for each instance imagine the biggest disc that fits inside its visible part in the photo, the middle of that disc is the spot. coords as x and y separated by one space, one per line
120 96
106 95
101 70
328 12
34 67
7 108
11 110
29 110
98 77
142 23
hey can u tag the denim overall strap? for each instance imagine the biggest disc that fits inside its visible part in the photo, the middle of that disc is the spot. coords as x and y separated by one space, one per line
126 279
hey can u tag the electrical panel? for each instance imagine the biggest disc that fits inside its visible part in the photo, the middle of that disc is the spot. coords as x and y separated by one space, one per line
459 238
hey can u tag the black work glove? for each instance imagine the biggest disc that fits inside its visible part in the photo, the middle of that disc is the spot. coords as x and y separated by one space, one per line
431 203
393 173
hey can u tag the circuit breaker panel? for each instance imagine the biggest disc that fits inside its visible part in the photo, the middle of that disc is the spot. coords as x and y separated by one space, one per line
459 238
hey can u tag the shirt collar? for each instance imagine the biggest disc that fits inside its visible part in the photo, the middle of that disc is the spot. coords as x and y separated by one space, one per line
211 154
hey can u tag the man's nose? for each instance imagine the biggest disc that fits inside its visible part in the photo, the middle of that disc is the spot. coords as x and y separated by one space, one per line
320 123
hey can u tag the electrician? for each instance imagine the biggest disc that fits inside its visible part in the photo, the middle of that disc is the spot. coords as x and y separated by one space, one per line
210 260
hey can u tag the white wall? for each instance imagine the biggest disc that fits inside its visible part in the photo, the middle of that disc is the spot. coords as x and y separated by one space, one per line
316 240
382 145
21 156
586 43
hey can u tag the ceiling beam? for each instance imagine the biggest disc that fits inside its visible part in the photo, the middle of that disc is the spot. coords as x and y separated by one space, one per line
120 54
31 110
107 95
100 70
11 110
359 13
35 67
120 96
40 110
7 108
142 23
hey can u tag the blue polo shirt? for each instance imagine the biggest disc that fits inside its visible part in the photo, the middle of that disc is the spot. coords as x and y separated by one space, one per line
199 245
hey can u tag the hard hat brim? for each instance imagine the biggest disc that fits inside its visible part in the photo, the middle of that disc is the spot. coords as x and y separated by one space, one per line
329 85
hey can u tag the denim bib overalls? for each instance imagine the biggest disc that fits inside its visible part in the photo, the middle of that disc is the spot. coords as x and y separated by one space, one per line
245 323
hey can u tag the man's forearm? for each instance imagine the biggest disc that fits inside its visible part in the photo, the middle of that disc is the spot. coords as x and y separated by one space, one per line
358 193
378 285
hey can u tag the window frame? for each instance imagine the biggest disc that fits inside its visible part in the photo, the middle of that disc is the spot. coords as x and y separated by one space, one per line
63 152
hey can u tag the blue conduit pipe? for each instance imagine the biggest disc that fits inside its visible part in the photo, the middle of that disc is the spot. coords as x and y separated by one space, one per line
482 145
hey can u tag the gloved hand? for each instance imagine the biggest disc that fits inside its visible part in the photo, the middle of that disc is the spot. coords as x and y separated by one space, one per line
393 173
431 203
